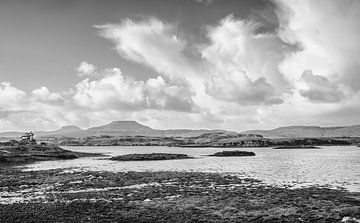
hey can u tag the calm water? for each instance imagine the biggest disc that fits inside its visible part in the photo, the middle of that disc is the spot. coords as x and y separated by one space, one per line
336 166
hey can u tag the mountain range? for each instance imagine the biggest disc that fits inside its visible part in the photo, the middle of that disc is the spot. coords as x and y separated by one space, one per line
115 128
131 128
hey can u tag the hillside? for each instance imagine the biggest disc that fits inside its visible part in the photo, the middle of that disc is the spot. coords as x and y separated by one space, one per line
309 131
133 128
121 128
115 128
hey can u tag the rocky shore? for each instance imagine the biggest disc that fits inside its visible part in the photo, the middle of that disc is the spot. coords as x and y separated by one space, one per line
71 196
212 139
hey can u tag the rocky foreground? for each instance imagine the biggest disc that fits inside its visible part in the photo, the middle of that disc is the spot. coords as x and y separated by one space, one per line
68 196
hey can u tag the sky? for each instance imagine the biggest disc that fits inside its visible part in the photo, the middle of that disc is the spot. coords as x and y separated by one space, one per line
169 64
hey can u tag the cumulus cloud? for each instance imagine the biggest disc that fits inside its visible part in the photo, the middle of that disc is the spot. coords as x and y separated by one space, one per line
245 63
175 96
327 33
86 69
319 88
27 121
117 91
235 44
16 107
43 94
11 97
112 90
238 87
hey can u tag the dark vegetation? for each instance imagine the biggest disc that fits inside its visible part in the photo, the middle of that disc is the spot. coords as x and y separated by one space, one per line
296 147
151 156
132 133
233 153
213 139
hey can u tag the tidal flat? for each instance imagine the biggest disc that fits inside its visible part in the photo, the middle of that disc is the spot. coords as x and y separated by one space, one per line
66 195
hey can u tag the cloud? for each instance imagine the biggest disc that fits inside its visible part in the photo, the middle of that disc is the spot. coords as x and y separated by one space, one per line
235 44
151 42
43 94
11 97
244 63
205 2
114 90
117 91
327 33
27 121
237 71
175 96
19 110
319 88
238 87
4 113
86 69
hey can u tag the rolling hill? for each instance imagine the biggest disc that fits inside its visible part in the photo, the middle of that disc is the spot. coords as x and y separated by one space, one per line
115 128
309 131
132 128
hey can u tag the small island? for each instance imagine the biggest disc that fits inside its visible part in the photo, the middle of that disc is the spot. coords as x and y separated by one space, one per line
27 150
297 147
151 156
234 153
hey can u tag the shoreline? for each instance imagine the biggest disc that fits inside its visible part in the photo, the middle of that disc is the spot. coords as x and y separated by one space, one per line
216 140
65 195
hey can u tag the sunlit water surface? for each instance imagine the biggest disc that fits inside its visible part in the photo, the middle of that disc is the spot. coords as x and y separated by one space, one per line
335 166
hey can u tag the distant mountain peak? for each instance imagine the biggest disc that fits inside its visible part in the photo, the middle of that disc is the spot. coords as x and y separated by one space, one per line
126 124
121 126
70 128
129 122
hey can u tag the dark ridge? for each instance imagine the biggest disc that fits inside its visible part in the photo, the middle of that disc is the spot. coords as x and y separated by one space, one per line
296 147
